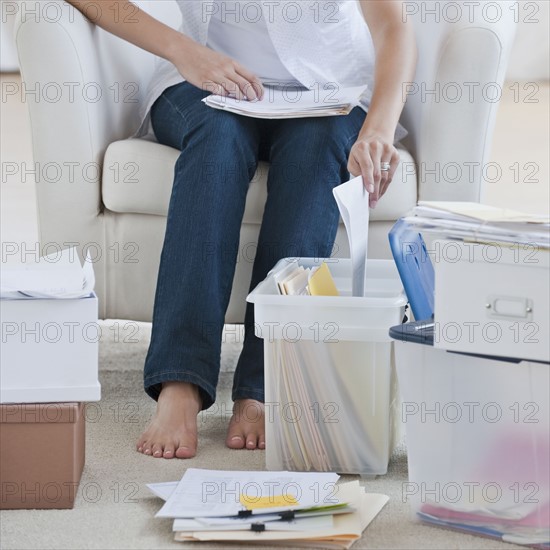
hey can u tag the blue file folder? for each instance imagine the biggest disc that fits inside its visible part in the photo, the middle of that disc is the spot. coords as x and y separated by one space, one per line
415 268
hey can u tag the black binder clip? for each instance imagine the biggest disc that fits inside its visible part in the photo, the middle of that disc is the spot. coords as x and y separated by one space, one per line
288 515
257 527
244 513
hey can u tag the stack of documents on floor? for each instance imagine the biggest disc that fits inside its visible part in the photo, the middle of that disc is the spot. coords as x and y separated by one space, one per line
474 222
302 509
56 276
292 102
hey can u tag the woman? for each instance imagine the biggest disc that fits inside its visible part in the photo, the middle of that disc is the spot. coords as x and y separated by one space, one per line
232 48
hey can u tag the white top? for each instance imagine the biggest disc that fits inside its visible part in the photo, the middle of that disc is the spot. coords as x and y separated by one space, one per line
242 34
317 42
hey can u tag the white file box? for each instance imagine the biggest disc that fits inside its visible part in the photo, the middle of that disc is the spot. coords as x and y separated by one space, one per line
492 299
330 383
49 350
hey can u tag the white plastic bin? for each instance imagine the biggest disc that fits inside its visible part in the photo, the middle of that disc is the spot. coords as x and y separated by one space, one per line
330 383
49 350
477 433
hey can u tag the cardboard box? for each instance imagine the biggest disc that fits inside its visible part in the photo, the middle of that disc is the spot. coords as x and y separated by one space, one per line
49 350
41 454
492 299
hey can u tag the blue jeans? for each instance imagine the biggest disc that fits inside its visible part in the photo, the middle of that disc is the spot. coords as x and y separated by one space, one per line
219 155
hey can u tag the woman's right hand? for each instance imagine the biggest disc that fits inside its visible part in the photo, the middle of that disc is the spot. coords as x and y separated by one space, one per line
198 64
215 72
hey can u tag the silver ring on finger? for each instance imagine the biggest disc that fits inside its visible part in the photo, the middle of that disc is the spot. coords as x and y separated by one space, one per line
385 167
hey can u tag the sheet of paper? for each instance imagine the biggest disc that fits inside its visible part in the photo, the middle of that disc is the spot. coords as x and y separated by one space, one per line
216 493
371 505
289 102
163 490
58 275
353 202
235 520
302 524
282 275
245 524
297 283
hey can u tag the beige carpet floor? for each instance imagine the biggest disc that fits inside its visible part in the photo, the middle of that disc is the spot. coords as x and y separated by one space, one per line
114 508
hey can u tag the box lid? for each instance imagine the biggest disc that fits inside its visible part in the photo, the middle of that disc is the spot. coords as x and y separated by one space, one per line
47 413
55 276
422 332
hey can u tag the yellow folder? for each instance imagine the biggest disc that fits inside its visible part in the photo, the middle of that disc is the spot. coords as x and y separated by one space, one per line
321 282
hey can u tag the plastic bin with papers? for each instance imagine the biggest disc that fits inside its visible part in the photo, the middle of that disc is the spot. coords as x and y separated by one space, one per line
330 384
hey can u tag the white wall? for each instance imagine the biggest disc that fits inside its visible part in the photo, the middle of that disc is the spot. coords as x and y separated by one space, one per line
530 57
8 54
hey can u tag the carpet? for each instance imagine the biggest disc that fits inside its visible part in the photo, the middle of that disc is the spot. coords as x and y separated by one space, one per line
114 508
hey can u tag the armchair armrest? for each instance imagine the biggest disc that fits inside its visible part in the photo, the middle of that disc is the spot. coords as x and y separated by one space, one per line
452 103
82 87
64 122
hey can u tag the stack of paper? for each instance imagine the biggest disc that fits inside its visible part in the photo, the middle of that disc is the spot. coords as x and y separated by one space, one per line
308 509
308 375
294 279
292 102
56 276
476 222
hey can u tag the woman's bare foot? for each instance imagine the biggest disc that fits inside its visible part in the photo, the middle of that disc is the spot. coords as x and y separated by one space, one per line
173 430
247 426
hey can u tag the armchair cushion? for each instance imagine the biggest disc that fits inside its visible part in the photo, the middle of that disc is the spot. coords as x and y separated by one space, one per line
138 174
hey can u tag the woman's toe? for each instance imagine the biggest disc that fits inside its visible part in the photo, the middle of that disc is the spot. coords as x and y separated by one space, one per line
157 450
235 441
168 451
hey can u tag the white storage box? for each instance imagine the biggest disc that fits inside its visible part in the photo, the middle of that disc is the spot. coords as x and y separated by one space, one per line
478 442
492 299
330 384
49 350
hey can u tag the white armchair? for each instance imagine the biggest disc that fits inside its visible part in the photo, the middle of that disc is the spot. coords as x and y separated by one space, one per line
109 194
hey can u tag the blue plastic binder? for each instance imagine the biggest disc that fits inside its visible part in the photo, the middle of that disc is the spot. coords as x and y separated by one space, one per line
415 268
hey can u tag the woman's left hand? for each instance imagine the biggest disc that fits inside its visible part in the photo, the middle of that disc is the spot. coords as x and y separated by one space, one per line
366 159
